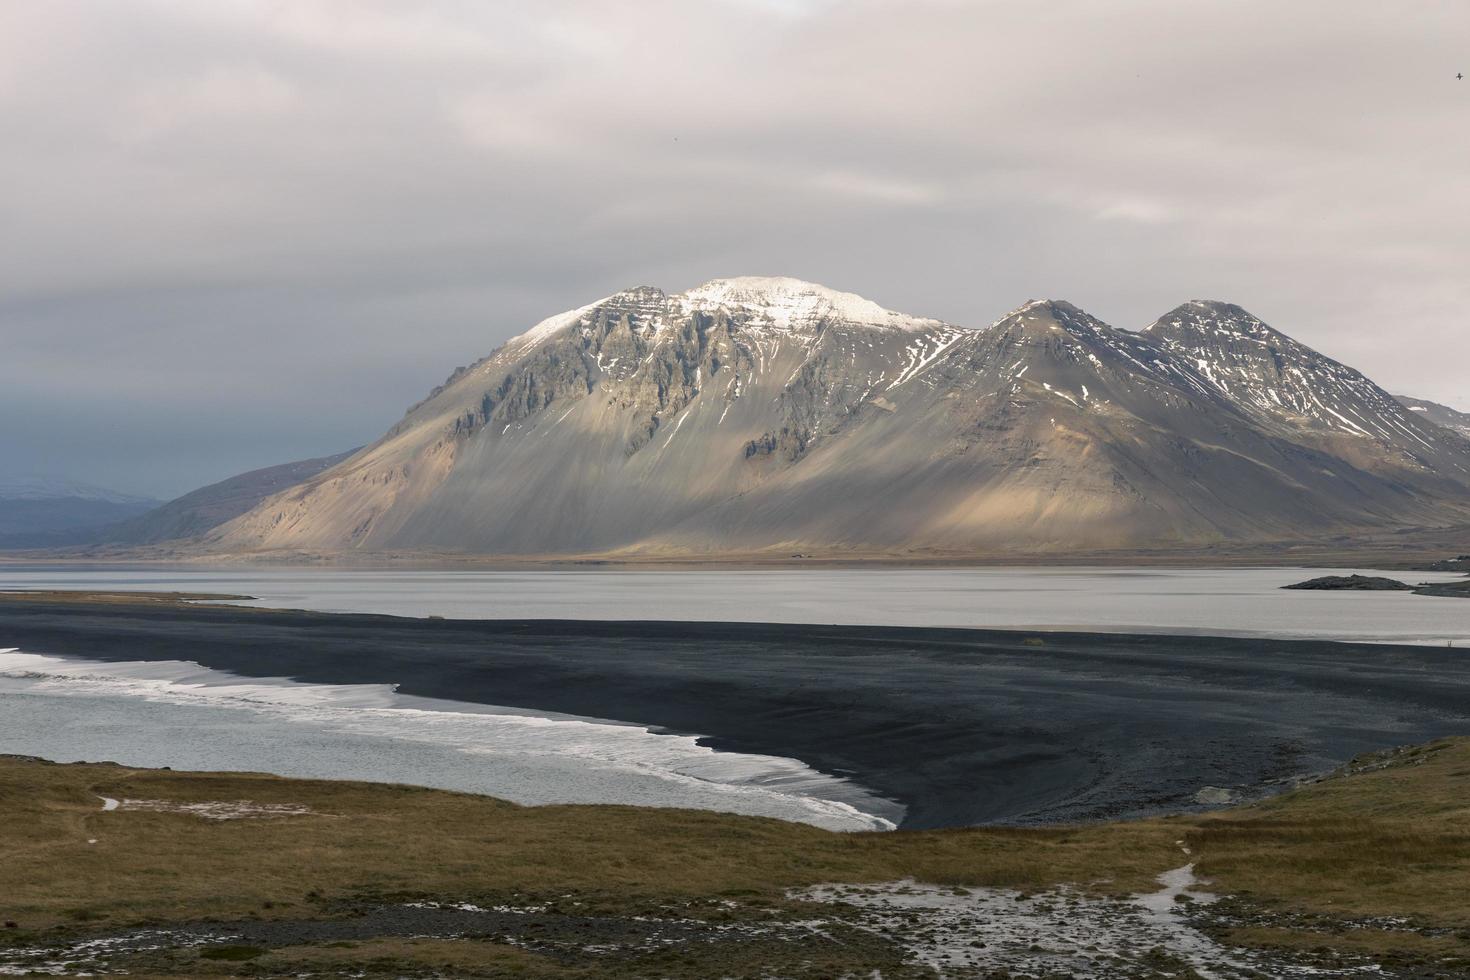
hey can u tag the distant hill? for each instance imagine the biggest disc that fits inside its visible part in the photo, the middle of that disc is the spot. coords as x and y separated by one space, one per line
1439 414
202 510
774 417
50 513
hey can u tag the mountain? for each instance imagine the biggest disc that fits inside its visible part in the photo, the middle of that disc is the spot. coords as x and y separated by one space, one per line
202 510
775 416
49 512
1438 414
1291 389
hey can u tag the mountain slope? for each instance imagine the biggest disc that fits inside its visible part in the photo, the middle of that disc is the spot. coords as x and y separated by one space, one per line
1289 388
771 415
1441 415
202 510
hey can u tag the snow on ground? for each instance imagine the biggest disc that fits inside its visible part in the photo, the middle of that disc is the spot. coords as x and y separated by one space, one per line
980 932
210 810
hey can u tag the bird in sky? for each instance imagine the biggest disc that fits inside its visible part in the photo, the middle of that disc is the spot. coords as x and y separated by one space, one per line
1459 74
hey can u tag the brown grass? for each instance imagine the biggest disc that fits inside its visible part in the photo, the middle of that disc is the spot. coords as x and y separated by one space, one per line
367 838
1392 839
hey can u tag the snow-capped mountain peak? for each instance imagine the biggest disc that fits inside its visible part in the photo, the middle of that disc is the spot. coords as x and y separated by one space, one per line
775 303
792 303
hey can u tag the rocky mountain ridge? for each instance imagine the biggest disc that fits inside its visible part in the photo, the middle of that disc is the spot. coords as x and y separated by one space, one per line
764 415
1285 383
1441 415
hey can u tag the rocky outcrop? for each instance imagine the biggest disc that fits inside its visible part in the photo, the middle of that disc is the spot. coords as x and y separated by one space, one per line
1351 583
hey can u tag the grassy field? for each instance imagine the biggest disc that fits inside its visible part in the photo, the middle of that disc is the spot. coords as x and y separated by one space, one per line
1376 861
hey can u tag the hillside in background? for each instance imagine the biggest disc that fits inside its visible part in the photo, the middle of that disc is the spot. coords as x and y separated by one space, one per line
1439 414
60 515
202 510
56 513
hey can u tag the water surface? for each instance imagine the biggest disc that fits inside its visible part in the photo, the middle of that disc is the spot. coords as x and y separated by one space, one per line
1224 602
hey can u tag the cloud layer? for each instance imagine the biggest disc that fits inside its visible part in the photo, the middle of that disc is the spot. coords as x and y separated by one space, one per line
241 232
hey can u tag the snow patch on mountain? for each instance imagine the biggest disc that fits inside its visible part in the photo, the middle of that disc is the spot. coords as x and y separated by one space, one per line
553 325
1279 378
776 303
1441 415
790 304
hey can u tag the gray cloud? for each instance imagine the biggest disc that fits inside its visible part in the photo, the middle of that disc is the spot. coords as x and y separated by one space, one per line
238 232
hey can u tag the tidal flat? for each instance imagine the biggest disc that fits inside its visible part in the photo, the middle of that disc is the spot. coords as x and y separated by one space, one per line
957 727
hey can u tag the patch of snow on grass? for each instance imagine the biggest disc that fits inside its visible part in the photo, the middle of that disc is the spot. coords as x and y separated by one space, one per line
214 810
957 931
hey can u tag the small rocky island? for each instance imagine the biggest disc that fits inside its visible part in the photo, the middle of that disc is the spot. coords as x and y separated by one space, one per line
1379 583
1352 583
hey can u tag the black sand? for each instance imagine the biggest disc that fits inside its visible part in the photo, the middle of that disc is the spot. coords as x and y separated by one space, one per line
962 726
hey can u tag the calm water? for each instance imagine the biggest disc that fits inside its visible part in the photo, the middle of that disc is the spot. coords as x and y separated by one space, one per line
1236 601
181 715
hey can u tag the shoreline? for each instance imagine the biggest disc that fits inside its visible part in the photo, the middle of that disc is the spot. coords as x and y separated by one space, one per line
74 710
961 726
1407 549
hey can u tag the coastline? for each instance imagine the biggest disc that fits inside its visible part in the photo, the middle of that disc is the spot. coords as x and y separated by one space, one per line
1403 549
131 713
960 726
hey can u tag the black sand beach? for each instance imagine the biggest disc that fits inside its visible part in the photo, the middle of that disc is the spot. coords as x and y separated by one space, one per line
961 726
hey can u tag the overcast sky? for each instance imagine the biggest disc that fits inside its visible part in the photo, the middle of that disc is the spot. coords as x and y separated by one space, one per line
237 233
